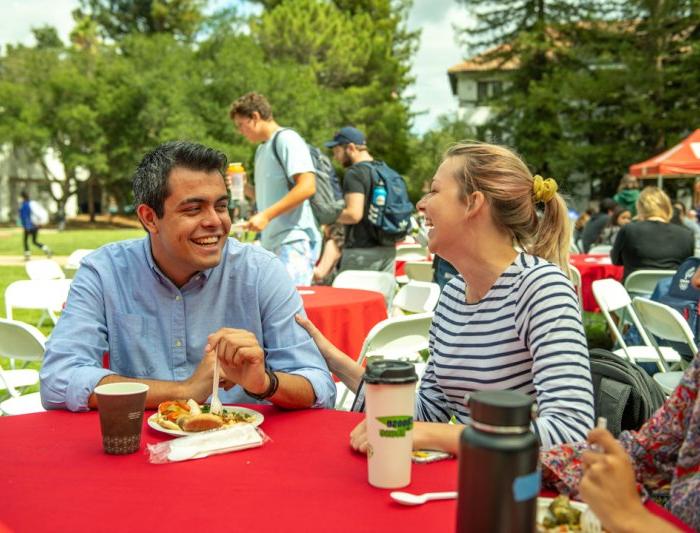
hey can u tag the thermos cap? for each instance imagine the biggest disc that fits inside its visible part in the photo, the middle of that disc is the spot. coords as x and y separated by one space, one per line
501 408
390 371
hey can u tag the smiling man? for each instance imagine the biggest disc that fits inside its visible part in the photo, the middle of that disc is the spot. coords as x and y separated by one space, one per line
165 306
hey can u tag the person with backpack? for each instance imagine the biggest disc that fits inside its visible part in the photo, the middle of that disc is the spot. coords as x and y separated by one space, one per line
32 215
284 182
377 211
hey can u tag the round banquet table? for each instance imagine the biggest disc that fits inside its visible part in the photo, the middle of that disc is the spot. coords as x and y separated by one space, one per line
55 477
344 316
593 267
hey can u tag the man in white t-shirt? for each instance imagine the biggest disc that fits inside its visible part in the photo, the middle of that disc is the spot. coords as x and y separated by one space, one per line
284 181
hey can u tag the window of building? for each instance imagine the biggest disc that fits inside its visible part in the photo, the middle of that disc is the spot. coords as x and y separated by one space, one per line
486 89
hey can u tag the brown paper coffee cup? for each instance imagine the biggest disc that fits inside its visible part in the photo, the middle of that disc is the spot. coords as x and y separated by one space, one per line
121 408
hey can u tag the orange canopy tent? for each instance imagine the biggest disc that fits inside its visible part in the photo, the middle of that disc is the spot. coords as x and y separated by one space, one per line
681 161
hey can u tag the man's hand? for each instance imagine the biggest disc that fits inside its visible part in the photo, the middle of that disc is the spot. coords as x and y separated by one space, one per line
198 386
257 222
608 484
242 358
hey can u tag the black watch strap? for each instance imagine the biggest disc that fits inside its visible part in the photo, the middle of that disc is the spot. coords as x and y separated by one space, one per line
271 389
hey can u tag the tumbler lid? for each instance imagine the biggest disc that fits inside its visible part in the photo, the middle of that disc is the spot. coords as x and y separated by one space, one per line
390 371
501 408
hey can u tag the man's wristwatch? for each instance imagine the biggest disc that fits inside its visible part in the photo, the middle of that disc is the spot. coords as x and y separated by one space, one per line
271 389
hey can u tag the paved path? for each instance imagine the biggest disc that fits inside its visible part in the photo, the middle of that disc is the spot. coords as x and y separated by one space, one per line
18 260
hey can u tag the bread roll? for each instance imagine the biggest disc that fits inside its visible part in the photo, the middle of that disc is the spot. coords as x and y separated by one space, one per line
202 422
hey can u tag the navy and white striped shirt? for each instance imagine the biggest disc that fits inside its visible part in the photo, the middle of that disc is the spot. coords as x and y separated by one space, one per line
525 335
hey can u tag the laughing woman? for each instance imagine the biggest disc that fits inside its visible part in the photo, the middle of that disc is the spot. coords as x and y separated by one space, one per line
510 319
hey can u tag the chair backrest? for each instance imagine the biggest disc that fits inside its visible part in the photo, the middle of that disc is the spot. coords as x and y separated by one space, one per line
48 294
411 252
44 269
403 337
21 341
611 297
600 249
76 257
576 281
369 280
643 282
665 322
417 297
419 270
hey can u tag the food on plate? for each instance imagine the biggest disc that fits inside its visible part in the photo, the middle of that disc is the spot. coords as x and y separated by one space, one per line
561 516
188 415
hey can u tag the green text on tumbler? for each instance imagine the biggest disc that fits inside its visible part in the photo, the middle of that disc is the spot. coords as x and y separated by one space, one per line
397 426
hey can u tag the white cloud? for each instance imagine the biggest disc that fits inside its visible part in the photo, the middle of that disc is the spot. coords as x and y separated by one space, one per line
436 53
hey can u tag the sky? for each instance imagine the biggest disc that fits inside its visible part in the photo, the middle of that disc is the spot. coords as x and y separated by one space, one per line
437 51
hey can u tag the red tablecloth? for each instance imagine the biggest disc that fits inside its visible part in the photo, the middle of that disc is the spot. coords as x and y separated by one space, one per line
593 267
55 477
344 316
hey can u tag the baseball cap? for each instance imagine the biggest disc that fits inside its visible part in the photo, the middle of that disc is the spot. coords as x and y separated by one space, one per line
347 135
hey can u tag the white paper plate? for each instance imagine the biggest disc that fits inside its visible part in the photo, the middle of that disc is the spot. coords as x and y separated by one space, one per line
257 420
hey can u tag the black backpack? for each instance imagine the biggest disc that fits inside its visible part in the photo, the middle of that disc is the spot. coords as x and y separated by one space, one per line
389 205
327 202
622 391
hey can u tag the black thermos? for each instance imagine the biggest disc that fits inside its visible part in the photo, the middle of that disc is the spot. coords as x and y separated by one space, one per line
499 478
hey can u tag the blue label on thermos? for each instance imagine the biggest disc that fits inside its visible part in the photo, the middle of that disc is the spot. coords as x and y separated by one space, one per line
526 487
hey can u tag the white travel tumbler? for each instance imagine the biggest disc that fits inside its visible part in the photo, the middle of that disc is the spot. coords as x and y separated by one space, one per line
390 406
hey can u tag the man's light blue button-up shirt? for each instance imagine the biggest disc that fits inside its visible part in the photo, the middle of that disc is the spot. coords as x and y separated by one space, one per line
120 302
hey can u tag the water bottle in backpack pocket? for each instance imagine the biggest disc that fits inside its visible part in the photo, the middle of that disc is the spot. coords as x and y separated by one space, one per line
390 208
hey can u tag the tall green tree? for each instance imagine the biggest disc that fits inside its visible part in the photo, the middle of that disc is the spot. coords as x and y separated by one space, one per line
118 18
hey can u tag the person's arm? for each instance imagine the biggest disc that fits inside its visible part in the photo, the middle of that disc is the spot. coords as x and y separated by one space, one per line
329 258
304 188
354 208
608 486
548 320
618 246
340 364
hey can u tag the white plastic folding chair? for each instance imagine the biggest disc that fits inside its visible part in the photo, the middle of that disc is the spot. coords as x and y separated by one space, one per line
576 282
419 270
22 342
369 280
411 252
416 297
667 324
403 338
600 249
48 295
643 282
76 257
613 298
44 269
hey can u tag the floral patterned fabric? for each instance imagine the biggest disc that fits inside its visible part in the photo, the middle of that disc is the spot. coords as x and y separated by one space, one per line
665 452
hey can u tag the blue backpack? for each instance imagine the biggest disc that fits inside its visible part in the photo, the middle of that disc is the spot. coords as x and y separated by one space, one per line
389 206
684 298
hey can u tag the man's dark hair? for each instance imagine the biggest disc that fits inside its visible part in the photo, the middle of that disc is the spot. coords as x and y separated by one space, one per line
607 204
250 103
24 195
150 182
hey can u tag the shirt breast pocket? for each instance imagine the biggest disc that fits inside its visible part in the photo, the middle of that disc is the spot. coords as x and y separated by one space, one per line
134 353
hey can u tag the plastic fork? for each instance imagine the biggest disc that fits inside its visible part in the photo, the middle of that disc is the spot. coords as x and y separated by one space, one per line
215 406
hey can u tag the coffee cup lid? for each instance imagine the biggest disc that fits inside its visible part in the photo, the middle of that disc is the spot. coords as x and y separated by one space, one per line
390 371
501 408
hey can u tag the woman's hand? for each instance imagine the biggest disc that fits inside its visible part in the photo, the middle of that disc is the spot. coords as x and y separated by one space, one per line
608 485
358 437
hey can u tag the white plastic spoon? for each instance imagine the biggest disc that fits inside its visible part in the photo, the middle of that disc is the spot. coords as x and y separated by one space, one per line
407 498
